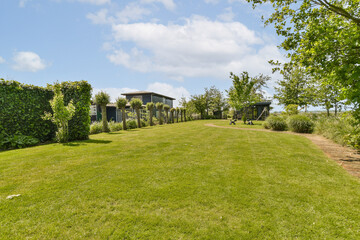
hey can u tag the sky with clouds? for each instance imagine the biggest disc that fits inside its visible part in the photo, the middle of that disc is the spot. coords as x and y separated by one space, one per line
173 47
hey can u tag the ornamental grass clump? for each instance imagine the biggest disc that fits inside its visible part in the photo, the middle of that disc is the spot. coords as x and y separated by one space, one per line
300 124
115 126
276 123
96 127
131 124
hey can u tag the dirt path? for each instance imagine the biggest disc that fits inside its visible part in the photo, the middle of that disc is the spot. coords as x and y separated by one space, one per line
346 157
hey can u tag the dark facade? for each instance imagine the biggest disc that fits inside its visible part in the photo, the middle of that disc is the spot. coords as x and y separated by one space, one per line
258 111
114 114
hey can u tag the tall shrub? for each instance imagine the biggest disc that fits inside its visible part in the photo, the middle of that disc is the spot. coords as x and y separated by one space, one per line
166 108
102 98
300 124
136 104
150 108
160 107
121 104
61 115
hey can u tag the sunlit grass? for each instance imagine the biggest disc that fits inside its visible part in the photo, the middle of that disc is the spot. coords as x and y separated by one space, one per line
180 181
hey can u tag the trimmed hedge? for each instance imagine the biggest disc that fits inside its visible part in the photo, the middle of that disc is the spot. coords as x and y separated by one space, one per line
22 107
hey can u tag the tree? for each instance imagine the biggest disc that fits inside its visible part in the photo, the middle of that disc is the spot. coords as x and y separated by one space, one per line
121 104
328 96
61 114
182 114
324 37
172 111
199 103
150 108
160 107
296 88
136 104
215 101
166 108
245 91
177 114
102 99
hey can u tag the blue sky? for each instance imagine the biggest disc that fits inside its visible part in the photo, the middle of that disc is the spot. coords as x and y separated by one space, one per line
173 47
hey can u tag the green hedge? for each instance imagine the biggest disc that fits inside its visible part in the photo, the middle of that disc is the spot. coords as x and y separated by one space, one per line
22 107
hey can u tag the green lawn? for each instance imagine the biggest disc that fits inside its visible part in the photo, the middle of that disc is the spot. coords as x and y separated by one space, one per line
239 124
181 181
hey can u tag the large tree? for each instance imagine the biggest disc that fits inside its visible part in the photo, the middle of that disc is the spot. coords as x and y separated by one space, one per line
246 90
199 103
296 88
215 100
324 37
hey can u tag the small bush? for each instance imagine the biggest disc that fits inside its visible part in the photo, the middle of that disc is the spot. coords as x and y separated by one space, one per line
266 125
96 127
16 141
131 124
300 124
144 123
115 126
276 123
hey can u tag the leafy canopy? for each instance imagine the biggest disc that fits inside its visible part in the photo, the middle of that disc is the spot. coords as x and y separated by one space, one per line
102 98
121 103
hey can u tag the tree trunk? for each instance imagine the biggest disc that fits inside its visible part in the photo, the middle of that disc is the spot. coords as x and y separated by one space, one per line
336 107
151 117
105 127
177 117
328 111
123 118
160 117
138 117
167 117
185 115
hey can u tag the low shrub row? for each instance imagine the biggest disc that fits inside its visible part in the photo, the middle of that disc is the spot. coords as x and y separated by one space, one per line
16 141
96 127
295 123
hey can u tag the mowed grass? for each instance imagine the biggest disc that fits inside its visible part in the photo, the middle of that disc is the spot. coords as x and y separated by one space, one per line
181 181
239 124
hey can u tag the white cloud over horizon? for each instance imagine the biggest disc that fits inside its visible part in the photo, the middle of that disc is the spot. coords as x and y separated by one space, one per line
198 48
28 62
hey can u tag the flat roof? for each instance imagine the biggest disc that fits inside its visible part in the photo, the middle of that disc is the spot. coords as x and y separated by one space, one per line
145 92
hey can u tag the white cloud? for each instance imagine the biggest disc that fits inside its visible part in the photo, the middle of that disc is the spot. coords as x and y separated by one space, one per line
28 62
113 92
2 60
168 4
95 2
169 90
211 1
22 3
227 16
131 12
198 48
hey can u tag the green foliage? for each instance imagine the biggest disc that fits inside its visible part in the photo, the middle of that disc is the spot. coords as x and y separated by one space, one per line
61 114
121 103
291 109
323 37
300 124
96 127
22 108
115 126
131 124
343 130
136 104
276 123
16 141
199 104
102 98
244 118
246 90
144 123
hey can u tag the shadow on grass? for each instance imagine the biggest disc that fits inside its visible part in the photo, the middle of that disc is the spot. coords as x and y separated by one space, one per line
93 141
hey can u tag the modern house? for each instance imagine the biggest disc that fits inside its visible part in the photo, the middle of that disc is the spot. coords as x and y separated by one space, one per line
114 114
